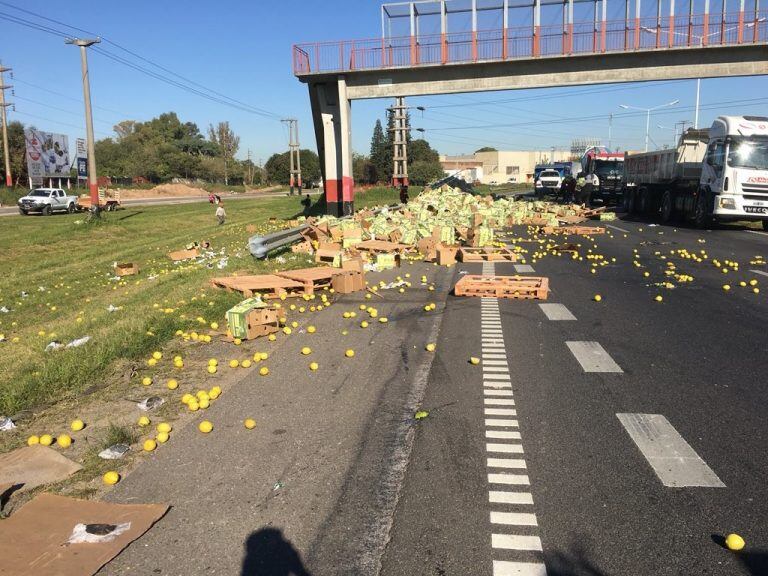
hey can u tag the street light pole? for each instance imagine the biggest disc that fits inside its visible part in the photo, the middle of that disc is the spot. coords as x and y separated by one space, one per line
4 119
93 184
648 116
696 115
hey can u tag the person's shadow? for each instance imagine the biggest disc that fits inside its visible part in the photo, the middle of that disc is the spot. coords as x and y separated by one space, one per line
268 553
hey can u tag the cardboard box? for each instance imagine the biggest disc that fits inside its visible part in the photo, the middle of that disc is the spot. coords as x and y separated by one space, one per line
428 248
329 254
180 255
351 237
251 318
128 269
304 247
355 263
348 282
446 254
386 261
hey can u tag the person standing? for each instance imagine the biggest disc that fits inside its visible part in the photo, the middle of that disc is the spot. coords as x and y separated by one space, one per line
221 215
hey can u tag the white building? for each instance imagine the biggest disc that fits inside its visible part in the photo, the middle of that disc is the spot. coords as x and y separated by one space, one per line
501 166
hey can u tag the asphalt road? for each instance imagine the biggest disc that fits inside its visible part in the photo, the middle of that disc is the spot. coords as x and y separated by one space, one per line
522 465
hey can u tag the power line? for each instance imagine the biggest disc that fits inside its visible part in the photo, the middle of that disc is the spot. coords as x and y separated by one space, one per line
65 111
57 122
17 80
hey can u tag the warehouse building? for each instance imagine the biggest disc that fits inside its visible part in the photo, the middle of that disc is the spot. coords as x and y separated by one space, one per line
501 166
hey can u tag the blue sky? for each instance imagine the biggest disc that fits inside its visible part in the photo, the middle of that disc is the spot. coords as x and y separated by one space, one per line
243 49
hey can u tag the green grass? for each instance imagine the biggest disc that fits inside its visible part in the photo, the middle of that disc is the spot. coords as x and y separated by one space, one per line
64 266
9 196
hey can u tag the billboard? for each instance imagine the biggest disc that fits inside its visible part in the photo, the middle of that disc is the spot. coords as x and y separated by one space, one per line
47 154
82 158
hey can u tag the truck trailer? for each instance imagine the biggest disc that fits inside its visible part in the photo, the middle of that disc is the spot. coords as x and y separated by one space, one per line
715 174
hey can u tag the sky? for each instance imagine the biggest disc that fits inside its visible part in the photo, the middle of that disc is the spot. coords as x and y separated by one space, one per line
238 55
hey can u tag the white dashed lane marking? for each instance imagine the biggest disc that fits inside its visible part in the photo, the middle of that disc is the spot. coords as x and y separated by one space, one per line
523 268
557 312
593 357
617 228
759 272
673 460
511 511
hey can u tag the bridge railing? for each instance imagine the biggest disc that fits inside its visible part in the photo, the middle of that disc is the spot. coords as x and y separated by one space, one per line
521 42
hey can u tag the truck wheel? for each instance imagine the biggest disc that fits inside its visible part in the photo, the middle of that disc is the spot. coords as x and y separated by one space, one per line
47 210
629 201
701 216
643 202
23 212
71 208
667 208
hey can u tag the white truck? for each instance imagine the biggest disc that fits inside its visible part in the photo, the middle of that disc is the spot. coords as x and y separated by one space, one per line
47 201
718 174
549 181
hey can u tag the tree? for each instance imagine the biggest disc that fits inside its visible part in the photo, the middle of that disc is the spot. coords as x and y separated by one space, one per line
486 149
279 165
227 141
378 156
124 129
363 170
423 163
17 152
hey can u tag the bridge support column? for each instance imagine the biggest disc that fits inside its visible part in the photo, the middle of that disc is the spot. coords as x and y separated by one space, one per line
331 113
705 25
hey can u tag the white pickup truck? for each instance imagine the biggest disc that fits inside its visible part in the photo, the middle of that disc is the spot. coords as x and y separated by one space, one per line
47 201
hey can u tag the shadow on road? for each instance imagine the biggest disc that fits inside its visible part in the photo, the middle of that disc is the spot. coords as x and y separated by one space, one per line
572 563
268 553
755 561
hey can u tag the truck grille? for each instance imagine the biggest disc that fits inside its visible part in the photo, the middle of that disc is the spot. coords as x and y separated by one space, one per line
755 189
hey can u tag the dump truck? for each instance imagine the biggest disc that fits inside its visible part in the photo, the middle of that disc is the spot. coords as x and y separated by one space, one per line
604 174
715 174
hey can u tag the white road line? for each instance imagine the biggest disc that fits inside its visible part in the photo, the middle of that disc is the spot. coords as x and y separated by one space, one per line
488 324
514 518
759 272
500 412
501 422
502 435
503 568
515 542
498 392
494 356
496 368
499 402
757 232
489 375
557 312
497 384
521 268
510 479
503 497
673 460
491 331
617 228
510 463
495 362
593 357
505 448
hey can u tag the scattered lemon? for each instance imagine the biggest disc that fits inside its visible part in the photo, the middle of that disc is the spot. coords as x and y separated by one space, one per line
164 427
271 337
597 298
149 445
263 370
213 362
238 341
77 425
32 440
157 355
234 363
64 441
151 362
249 423
306 350
204 403
212 369
146 381
726 287
659 298
172 384
349 353
111 478
205 426
163 437
46 439
430 347
214 325
734 542
313 366
363 324
245 363
287 330
143 421
311 329
474 360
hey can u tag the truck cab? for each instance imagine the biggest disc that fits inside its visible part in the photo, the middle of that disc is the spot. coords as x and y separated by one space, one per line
604 175
734 173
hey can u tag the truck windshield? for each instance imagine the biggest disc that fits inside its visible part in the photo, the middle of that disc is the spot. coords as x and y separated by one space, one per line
40 193
608 168
749 152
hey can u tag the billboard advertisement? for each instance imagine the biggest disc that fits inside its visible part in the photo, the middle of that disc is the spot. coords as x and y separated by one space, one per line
47 154
82 158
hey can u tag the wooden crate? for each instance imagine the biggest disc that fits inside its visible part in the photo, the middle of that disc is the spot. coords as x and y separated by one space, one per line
268 285
312 278
376 246
585 230
514 287
487 254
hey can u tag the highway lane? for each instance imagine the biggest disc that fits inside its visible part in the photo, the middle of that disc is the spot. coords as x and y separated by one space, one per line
697 359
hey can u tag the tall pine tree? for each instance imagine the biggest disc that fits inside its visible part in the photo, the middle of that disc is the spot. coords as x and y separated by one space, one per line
380 154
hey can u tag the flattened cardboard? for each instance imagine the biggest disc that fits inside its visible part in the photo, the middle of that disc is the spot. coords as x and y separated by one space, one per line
34 466
180 255
45 524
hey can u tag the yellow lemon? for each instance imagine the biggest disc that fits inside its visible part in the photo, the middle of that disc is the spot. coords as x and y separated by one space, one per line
726 287
287 330
213 362
77 425
46 439
734 542
294 324
249 423
146 381
204 403
205 426
245 363
157 355
383 319
193 406
474 360
598 298
164 427
311 329
363 324
178 363
234 363
349 353
162 437
306 350
111 478
149 445
64 441
212 369
172 384
187 398
32 440
430 347
659 298
214 325
313 366
263 370
143 421
151 362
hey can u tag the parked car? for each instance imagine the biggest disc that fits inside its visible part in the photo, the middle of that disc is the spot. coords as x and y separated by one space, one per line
47 201
549 181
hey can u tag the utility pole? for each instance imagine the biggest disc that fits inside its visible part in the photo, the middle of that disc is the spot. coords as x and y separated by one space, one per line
293 150
610 130
399 130
93 183
3 106
250 176
698 92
